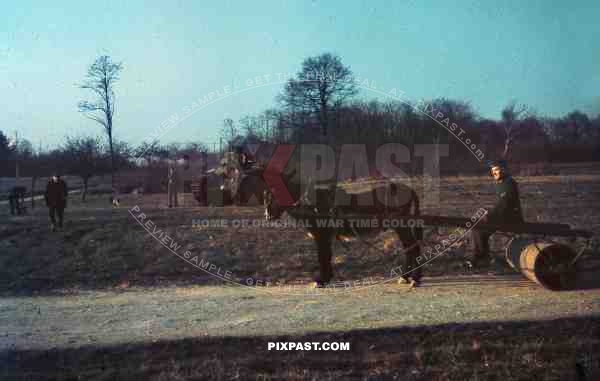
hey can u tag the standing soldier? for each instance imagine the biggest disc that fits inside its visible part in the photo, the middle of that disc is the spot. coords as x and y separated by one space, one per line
177 173
12 200
56 200
506 211
172 186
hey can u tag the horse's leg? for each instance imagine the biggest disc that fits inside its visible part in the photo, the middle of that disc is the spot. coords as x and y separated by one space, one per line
324 242
412 249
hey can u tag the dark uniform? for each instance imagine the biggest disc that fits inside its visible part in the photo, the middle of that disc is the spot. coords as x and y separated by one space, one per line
16 199
56 200
12 202
173 183
506 211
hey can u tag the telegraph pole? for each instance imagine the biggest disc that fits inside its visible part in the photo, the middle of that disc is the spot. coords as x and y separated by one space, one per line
16 157
228 125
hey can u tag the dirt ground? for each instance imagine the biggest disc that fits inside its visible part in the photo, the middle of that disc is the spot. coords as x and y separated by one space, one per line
445 319
104 299
149 314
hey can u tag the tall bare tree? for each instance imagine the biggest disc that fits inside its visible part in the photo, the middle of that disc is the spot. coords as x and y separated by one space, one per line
100 80
512 115
323 84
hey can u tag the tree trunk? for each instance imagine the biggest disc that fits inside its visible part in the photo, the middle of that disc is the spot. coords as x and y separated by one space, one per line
324 115
505 153
436 141
85 188
33 180
112 161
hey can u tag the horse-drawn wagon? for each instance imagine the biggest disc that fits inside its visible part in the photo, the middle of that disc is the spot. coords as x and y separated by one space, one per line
530 248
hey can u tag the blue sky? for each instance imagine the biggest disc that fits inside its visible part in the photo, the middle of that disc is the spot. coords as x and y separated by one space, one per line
545 54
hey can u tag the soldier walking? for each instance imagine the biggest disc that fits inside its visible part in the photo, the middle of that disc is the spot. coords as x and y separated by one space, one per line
506 211
56 200
178 172
16 199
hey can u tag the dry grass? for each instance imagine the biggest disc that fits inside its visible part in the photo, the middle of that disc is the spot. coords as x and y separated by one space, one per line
102 247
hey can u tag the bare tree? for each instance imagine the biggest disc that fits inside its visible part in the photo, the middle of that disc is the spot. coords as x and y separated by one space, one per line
323 84
146 152
100 79
247 125
123 155
579 128
38 164
194 147
83 157
5 148
229 132
511 120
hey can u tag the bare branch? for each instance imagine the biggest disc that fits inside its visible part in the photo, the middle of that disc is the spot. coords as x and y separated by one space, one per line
97 119
100 79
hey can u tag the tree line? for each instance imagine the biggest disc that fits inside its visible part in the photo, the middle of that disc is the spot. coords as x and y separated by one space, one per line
84 157
317 106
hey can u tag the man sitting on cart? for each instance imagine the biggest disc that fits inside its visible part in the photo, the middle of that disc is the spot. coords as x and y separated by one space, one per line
507 211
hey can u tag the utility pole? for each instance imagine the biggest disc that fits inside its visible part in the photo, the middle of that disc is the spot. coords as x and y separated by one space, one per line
35 173
16 157
228 124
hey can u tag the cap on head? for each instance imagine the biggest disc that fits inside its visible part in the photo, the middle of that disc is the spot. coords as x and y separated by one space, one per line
185 159
499 164
496 163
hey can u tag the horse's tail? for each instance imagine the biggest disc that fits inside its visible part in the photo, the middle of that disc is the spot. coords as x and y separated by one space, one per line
418 229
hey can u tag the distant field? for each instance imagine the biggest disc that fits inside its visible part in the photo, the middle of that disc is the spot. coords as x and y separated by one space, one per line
523 170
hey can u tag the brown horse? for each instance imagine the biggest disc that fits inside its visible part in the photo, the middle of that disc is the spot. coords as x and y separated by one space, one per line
399 199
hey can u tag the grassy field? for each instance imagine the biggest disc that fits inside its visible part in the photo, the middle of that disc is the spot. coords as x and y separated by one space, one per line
102 247
104 250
